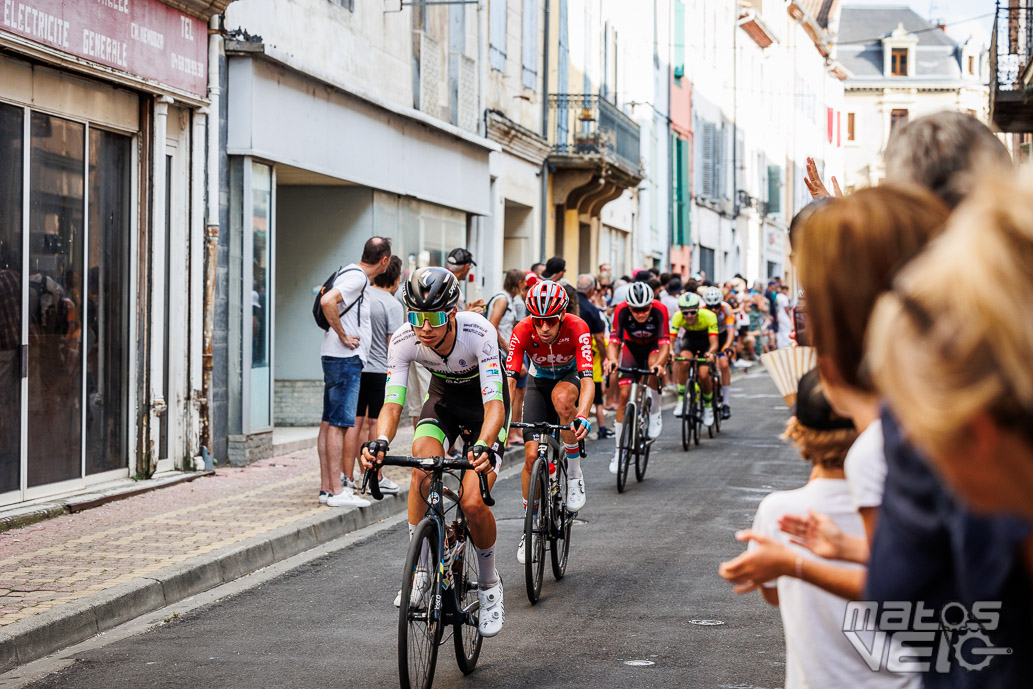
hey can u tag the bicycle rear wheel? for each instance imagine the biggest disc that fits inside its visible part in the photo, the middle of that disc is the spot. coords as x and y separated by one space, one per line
559 538
465 634
626 444
419 635
536 529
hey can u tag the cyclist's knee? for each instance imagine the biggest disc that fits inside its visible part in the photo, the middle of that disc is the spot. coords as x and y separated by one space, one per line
472 504
427 447
564 401
530 454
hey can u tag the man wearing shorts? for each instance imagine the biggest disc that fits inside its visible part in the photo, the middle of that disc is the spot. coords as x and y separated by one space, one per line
561 390
467 403
385 317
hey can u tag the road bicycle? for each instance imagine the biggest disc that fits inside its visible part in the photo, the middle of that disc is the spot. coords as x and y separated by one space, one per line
692 403
436 598
635 438
715 399
547 517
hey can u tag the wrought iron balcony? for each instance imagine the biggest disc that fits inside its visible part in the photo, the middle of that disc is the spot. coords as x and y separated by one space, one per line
1011 47
588 125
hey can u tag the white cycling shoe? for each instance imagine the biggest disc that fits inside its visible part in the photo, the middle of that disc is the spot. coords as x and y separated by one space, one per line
520 551
613 462
420 584
708 415
575 494
656 425
492 611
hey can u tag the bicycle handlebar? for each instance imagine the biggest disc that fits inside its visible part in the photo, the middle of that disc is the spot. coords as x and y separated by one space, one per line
639 371
697 359
427 464
542 425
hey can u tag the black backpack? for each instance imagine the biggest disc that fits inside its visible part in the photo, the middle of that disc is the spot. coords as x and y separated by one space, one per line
317 307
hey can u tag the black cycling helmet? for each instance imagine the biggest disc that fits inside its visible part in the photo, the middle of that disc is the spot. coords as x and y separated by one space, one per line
430 289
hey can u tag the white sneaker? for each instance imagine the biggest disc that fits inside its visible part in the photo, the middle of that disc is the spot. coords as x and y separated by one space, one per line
387 486
708 415
656 425
613 462
323 495
520 551
575 494
421 580
346 498
492 612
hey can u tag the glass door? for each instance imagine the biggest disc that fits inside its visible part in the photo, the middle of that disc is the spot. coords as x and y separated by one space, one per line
12 152
258 300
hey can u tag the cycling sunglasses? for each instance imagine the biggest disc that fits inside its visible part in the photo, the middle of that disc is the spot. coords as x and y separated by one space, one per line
690 312
547 321
641 309
435 318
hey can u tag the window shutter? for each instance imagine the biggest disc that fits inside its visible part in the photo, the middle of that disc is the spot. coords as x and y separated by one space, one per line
774 189
707 166
529 54
719 162
679 39
684 171
497 45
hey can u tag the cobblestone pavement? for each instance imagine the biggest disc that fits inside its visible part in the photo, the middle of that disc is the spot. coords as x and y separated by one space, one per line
60 560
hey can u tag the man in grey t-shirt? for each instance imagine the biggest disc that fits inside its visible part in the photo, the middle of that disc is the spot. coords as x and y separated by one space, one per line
385 317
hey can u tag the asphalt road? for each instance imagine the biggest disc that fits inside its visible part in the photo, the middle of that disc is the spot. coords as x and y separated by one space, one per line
642 578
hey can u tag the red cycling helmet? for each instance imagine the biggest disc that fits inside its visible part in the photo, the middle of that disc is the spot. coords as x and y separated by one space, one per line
546 300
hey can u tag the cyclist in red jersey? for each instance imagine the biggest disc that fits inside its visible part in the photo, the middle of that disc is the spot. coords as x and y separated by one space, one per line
640 338
559 385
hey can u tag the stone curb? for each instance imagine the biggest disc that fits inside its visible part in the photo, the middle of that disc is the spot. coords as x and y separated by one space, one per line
75 621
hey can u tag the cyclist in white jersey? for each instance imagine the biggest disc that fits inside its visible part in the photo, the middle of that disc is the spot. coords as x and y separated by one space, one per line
467 401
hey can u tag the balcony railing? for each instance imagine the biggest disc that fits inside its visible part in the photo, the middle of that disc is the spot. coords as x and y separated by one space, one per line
582 124
1011 46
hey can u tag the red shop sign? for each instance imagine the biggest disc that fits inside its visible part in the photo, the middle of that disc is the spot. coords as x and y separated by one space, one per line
141 37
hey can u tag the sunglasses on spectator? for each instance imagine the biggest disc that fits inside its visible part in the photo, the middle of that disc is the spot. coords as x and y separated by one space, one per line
641 309
435 318
547 321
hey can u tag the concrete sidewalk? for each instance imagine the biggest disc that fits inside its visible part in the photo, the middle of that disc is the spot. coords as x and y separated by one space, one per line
72 576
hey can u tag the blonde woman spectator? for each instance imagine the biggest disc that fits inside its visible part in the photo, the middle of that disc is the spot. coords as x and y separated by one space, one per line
951 347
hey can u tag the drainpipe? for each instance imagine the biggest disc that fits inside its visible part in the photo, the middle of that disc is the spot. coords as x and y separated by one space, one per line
482 65
215 42
545 135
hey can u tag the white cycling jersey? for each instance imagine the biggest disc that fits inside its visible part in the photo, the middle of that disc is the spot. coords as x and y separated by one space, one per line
475 359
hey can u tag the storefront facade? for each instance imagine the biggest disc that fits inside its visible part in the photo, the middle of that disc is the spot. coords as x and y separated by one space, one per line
101 203
308 184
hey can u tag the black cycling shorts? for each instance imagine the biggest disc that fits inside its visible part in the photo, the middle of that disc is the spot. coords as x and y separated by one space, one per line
538 400
633 356
697 342
454 413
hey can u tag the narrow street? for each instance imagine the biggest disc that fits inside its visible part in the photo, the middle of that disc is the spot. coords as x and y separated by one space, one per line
642 584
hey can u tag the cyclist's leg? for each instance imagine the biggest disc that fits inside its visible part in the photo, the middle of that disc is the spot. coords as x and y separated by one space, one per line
705 384
627 360
564 400
535 410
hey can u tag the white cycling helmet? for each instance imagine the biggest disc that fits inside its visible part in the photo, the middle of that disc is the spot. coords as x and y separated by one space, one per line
712 296
640 295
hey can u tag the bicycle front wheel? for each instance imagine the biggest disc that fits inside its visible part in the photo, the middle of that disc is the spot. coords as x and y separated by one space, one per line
627 440
418 634
686 421
697 418
465 633
559 539
536 529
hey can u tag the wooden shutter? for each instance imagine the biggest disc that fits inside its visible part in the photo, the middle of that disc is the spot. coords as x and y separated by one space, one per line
774 189
529 52
497 31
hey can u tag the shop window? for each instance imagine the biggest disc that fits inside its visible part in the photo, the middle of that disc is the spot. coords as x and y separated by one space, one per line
706 262
261 226
56 232
898 117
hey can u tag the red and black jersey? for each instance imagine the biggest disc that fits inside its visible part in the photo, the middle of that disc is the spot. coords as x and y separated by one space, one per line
571 351
653 332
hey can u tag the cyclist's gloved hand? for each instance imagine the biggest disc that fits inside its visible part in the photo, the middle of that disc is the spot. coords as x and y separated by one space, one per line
480 456
373 451
581 427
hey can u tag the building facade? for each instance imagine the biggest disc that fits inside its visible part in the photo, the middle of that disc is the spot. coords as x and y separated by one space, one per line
900 66
755 91
104 146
